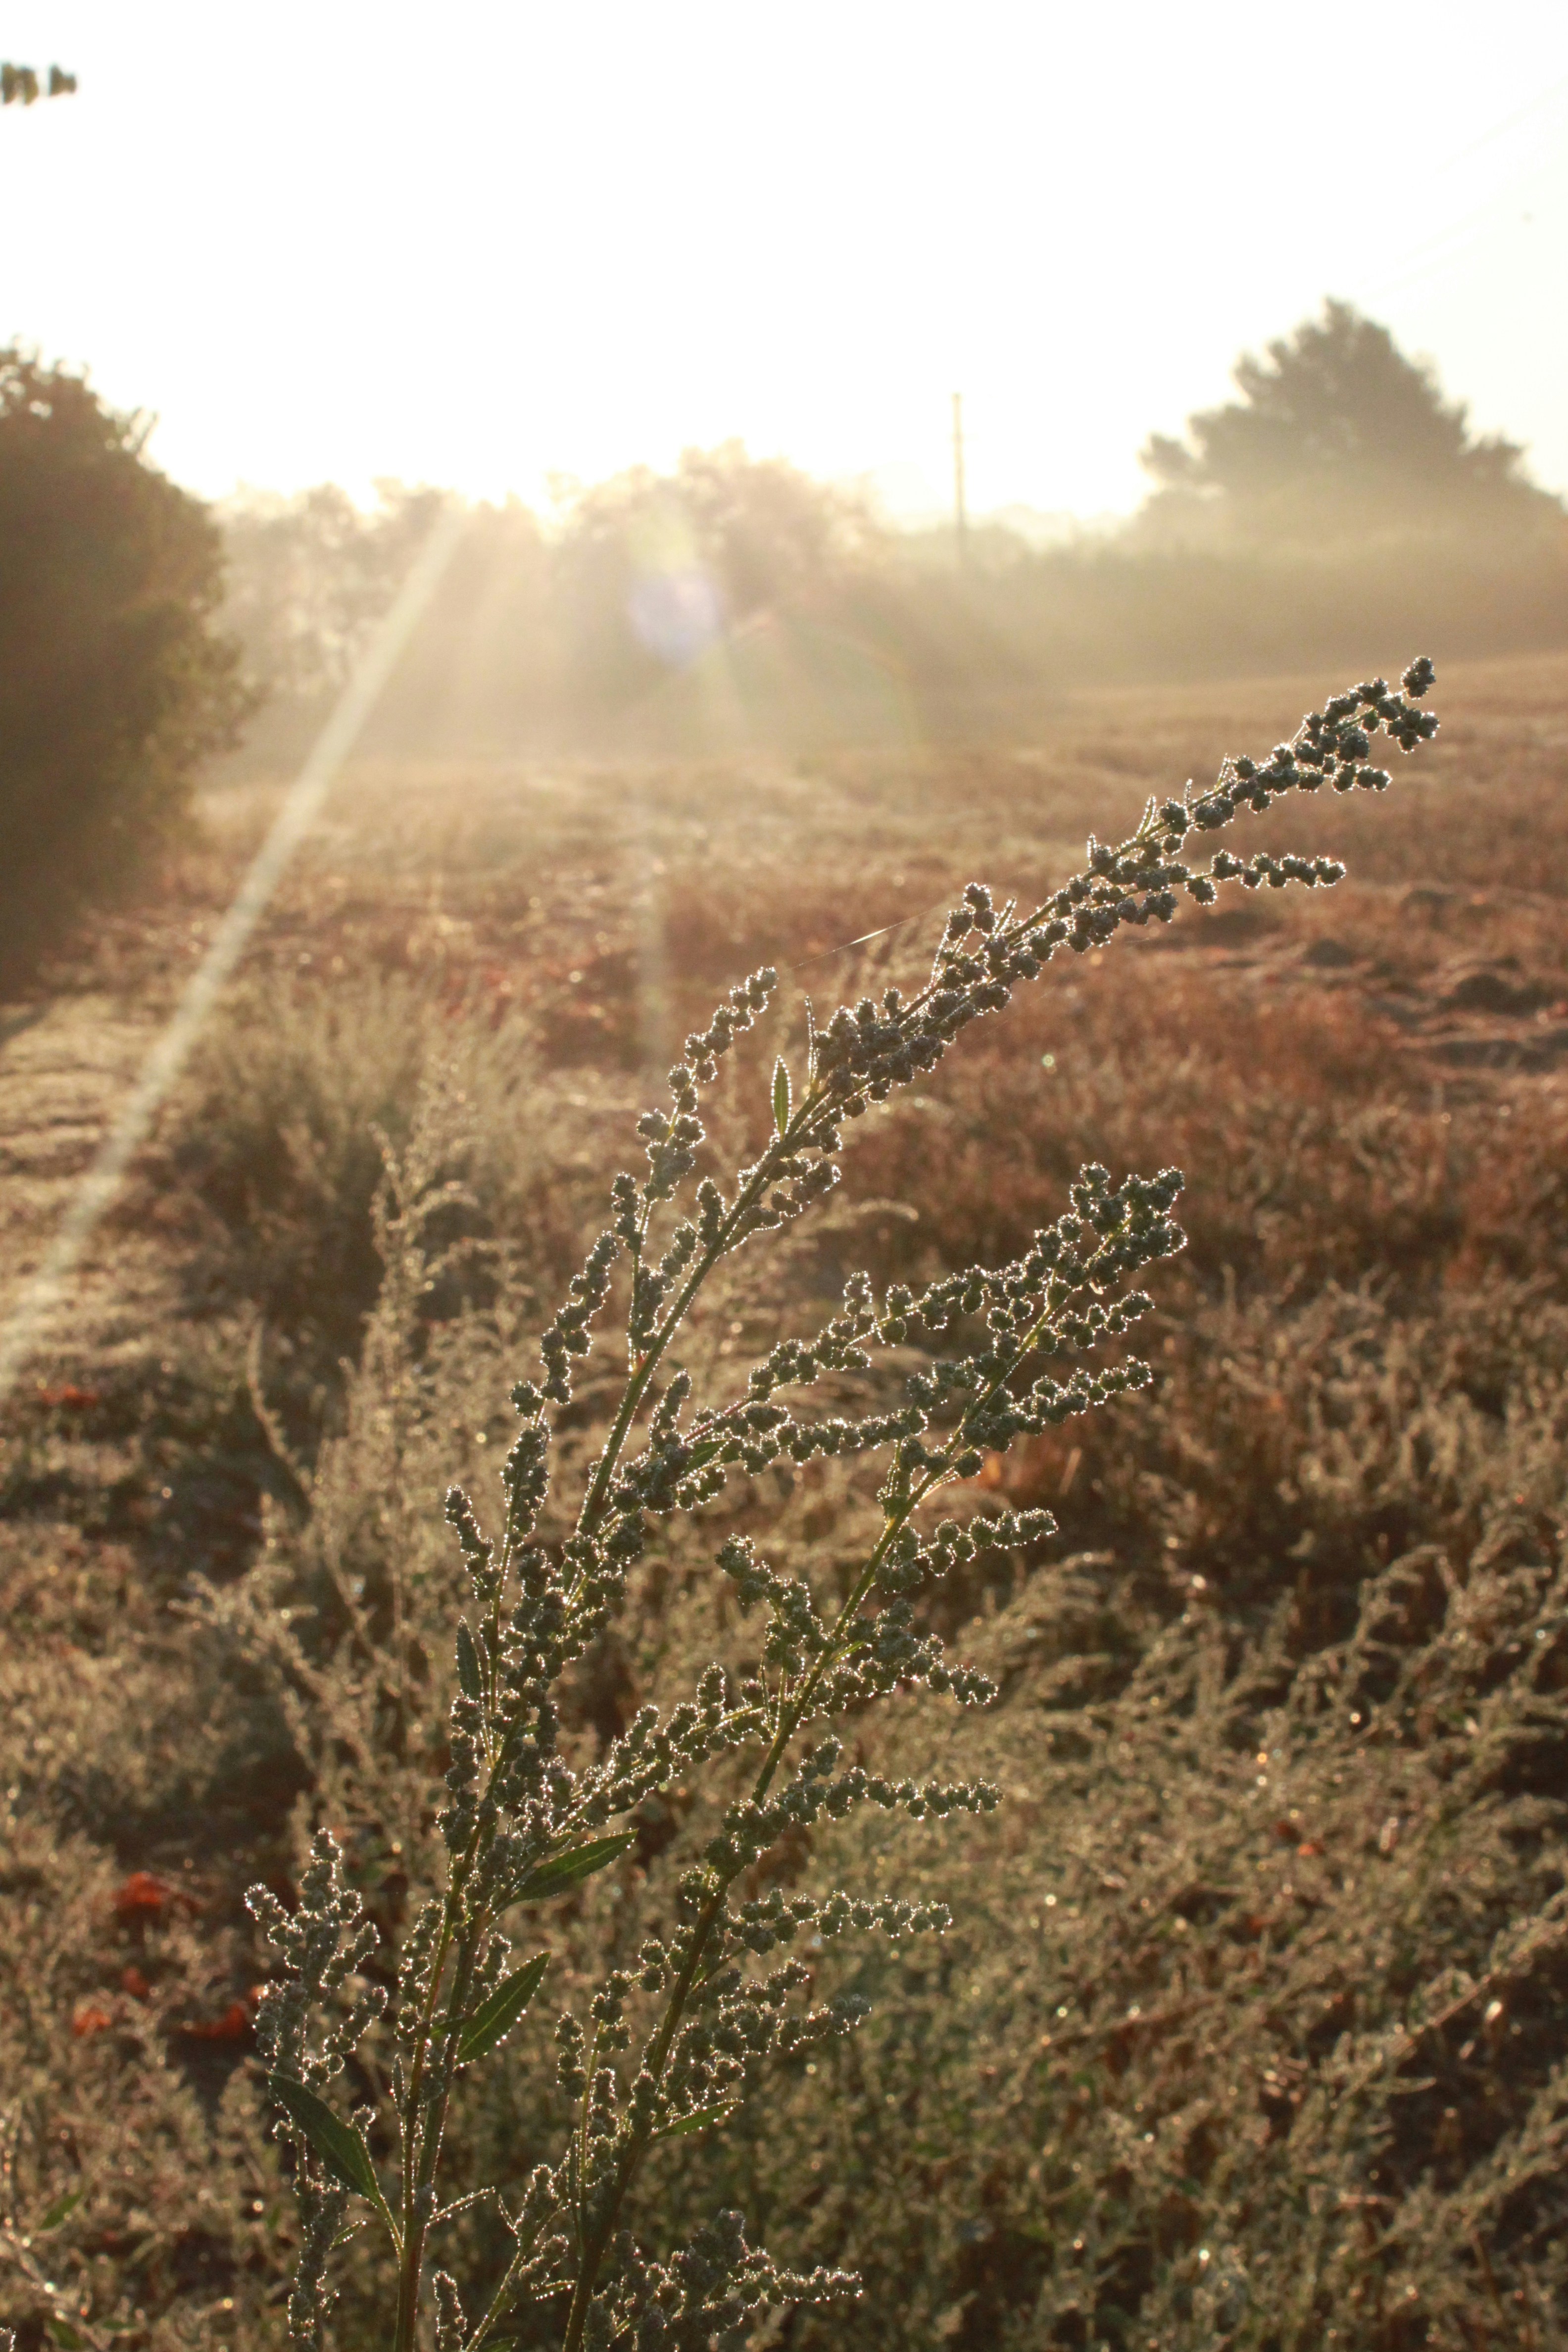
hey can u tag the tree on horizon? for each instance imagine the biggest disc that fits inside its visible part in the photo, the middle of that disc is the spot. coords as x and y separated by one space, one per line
20 84
1337 428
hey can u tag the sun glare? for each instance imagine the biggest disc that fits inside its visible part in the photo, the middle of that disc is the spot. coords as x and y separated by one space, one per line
570 241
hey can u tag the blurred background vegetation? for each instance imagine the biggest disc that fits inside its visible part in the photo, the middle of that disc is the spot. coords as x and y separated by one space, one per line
116 678
1339 500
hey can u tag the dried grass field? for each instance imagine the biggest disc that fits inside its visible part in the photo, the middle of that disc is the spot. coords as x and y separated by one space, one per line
1249 2028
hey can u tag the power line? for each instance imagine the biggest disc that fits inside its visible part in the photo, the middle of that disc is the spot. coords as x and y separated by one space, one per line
1396 269
1509 122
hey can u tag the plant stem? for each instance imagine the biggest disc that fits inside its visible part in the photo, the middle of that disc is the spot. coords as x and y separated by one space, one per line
790 1723
675 1315
409 2268
796 1133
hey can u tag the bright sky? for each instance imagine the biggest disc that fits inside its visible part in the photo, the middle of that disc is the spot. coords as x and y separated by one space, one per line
475 244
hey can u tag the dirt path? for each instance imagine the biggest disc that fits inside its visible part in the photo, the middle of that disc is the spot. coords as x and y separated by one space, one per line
66 1070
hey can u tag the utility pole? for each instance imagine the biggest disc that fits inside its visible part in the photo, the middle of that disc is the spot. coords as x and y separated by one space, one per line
960 513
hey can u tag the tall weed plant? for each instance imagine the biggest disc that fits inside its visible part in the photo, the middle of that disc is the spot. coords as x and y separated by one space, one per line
494 1836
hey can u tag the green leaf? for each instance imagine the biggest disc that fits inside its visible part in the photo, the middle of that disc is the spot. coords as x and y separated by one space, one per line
340 2146
498 2013
62 2207
468 1662
706 1449
64 2334
563 1869
781 1095
719 2112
